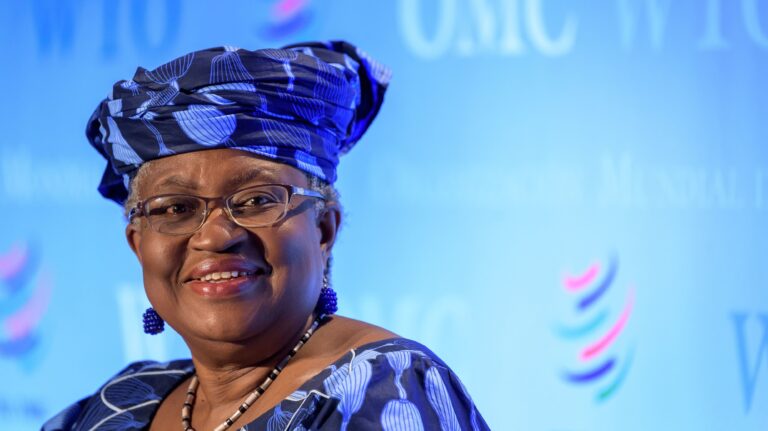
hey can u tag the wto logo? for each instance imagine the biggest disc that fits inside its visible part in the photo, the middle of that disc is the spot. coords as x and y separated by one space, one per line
600 363
286 17
25 292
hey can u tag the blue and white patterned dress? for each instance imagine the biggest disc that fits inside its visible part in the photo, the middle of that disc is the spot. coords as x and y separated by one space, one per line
390 385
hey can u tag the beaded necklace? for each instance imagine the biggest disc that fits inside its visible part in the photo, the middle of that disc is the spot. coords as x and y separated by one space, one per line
186 410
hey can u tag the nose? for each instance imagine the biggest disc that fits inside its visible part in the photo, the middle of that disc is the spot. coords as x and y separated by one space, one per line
218 233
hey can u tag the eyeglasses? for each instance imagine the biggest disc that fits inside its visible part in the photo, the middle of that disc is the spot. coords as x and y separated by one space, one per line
258 206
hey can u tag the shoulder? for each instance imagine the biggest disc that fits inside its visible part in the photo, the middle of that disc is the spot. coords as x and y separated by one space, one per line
153 372
396 364
129 397
346 333
398 380
396 354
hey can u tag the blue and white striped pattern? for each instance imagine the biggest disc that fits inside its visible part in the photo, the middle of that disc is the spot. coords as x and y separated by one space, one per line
349 384
281 134
307 101
168 72
227 67
120 149
401 415
399 361
389 385
206 125
279 420
162 150
440 399
130 86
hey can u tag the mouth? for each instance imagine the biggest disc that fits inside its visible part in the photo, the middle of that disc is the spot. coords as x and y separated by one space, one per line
218 279
225 283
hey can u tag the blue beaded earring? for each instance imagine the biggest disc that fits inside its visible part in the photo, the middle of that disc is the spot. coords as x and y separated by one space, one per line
153 323
327 303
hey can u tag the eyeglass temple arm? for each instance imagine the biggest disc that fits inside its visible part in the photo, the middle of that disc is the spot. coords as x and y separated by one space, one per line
306 192
136 211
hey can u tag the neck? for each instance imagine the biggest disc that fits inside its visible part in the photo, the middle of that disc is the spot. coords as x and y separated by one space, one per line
228 373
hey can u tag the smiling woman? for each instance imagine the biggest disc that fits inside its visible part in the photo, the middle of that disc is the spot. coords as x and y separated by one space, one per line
224 160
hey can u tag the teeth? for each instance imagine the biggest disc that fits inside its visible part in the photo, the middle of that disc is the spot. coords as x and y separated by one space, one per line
225 275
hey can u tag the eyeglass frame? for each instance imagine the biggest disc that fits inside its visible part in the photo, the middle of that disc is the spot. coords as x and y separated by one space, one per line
138 210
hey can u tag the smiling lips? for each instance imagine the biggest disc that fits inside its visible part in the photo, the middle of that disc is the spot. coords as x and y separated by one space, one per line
225 275
213 278
224 287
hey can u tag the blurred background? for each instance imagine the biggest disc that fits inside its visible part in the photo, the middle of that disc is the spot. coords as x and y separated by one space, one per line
565 200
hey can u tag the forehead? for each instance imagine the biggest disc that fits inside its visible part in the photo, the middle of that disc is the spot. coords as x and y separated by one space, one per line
213 172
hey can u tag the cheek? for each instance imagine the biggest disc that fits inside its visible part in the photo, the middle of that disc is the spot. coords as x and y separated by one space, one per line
161 260
294 254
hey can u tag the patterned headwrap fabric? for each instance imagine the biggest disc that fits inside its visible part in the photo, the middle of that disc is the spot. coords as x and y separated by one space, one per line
302 105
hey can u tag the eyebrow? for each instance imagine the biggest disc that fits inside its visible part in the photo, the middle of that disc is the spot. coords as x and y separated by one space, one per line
241 178
234 182
177 180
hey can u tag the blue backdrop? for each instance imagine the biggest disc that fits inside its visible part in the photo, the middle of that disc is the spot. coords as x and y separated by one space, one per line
566 200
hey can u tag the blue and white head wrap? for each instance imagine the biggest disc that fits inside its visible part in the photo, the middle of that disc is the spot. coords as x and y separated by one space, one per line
302 105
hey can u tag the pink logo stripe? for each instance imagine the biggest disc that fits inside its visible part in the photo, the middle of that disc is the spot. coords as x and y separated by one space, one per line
285 9
23 321
12 262
576 283
613 333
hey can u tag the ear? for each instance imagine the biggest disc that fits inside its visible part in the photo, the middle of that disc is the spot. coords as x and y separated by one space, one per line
328 222
133 236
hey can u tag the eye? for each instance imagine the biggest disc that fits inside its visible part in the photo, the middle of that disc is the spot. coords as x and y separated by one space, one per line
176 209
169 210
172 207
251 205
258 200
255 199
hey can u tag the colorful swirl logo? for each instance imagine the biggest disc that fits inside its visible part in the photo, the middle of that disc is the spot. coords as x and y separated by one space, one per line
286 17
599 363
25 292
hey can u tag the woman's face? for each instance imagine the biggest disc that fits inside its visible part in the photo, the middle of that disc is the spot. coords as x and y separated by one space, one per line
286 260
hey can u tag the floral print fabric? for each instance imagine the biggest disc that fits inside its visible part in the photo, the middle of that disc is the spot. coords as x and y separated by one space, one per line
390 385
302 105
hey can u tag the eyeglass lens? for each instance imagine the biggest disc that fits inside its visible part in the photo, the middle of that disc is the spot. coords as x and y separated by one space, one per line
180 214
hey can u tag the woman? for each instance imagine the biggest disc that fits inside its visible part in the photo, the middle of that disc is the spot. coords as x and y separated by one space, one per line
224 160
